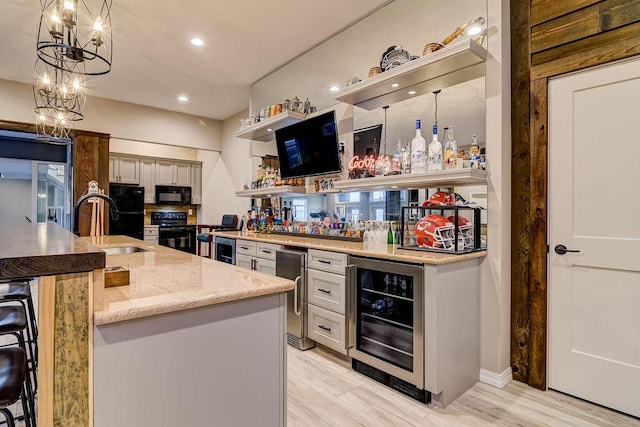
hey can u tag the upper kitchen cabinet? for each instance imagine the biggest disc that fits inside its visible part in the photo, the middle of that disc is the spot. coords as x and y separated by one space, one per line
124 169
148 179
173 173
196 183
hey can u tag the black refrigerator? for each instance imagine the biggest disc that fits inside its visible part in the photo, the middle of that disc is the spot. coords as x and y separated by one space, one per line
130 202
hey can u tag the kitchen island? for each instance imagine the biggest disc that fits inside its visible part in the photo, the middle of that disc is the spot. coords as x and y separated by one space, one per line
189 341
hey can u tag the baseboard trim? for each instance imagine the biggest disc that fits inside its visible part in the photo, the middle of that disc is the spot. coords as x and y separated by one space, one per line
496 380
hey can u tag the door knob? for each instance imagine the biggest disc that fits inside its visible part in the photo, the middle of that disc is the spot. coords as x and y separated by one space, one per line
562 249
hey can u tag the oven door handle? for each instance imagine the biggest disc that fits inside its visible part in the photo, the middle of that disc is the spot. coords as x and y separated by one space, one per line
352 304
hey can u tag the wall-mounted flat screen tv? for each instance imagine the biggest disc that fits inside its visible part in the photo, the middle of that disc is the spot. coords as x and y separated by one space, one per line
309 147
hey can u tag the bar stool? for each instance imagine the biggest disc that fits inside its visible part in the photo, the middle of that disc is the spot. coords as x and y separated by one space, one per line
13 321
20 291
13 372
205 237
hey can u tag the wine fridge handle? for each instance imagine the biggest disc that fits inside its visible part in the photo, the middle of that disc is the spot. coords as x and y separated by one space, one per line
350 273
296 305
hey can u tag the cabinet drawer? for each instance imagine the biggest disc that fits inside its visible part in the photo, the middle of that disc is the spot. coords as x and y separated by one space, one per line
331 262
151 231
326 290
267 250
151 239
327 327
246 247
266 266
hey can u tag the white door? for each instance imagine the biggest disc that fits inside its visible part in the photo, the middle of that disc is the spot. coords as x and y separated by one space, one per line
113 169
164 173
594 207
148 179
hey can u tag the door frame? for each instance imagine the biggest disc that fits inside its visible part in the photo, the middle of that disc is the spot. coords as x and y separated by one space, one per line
530 72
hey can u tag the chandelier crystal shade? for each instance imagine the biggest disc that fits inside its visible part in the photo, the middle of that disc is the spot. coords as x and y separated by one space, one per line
76 31
59 97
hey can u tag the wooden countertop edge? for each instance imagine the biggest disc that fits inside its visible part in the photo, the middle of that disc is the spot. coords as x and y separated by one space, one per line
407 255
107 317
50 265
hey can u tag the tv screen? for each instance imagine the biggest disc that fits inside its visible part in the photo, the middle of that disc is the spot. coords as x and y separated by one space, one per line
366 141
309 147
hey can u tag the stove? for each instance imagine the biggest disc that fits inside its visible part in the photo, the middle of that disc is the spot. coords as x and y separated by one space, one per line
174 232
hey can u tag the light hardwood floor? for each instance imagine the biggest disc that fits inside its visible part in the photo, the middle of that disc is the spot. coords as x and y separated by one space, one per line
323 390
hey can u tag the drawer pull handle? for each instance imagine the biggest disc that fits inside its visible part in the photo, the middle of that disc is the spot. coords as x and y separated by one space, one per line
324 291
324 261
324 327
244 247
266 252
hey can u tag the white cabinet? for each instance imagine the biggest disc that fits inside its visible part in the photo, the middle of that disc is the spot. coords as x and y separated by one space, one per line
326 297
151 234
148 179
124 169
173 173
257 256
196 183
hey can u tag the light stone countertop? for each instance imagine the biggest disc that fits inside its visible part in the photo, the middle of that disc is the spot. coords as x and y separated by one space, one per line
382 251
164 280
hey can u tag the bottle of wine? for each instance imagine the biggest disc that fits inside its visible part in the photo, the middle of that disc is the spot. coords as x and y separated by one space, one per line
434 159
418 146
450 150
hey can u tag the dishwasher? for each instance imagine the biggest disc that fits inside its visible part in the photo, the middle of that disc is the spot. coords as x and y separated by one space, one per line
291 264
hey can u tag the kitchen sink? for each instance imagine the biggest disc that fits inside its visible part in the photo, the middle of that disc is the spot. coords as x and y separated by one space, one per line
123 250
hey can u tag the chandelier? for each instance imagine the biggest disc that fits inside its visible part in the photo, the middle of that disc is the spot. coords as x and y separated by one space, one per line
71 32
59 97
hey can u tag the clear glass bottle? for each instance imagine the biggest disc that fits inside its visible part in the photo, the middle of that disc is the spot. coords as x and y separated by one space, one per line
406 158
434 156
397 158
450 150
418 148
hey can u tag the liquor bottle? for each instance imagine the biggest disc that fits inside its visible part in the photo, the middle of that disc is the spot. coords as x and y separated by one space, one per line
418 145
389 235
450 150
434 159
474 153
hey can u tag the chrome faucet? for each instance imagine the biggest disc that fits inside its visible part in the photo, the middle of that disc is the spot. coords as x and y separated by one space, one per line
113 209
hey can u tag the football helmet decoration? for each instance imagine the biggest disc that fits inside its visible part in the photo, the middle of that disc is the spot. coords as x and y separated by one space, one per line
435 231
465 231
393 57
439 198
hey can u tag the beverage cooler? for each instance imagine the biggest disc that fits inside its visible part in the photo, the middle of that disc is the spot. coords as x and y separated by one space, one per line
386 340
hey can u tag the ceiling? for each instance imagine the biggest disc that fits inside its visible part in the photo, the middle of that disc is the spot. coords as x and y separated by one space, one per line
154 61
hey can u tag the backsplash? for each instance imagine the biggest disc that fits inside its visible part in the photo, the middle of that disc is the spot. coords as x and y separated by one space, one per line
192 218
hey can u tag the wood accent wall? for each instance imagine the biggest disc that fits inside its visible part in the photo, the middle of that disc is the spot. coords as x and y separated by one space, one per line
90 162
548 38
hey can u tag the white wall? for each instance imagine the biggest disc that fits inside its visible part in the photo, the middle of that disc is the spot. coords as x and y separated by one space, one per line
16 201
121 119
496 268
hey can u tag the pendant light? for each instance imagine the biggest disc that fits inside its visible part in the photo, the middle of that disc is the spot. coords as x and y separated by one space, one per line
71 32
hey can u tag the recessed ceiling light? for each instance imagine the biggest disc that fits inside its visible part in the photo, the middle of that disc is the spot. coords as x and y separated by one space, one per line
395 85
334 88
183 98
269 130
412 92
197 42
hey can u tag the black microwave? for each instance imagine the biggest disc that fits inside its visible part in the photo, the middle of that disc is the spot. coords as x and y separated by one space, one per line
172 195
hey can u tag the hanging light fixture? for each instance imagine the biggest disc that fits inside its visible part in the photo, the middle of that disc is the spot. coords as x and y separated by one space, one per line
76 31
59 97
